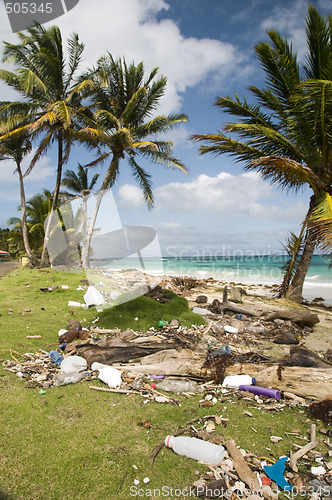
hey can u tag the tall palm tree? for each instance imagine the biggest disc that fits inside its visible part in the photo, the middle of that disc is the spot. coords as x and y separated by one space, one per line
287 135
51 107
79 185
126 100
37 209
15 149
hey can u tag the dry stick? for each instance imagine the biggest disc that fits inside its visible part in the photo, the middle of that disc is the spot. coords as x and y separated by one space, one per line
241 467
11 353
119 391
177 433
294 457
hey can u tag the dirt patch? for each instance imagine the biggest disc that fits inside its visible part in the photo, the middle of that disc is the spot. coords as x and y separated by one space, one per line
159 294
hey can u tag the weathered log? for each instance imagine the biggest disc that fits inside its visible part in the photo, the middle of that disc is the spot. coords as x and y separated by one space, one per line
302 317
115 350
172 362
315 383
226 305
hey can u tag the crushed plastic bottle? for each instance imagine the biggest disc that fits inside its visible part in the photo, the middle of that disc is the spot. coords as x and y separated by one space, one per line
69 378
56 357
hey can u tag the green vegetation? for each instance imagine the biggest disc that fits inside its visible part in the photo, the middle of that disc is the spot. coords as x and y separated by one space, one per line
148 312
73 442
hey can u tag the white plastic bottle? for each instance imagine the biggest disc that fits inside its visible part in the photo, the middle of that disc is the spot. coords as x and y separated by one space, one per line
237 380
197 449
177 386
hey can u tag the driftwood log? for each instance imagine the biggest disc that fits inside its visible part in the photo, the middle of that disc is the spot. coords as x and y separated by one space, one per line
226 305
302 317
315 383
241 467
114 350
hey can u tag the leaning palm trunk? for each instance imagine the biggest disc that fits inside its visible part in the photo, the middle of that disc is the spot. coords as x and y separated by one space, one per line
44 258
24 217
295 290
87 239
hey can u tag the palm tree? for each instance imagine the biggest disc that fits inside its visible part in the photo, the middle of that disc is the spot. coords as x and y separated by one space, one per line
37 209
125 101
51 106
287 135
321 220
79 185
15 149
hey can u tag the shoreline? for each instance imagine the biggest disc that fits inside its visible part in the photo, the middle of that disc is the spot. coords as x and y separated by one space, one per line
265 285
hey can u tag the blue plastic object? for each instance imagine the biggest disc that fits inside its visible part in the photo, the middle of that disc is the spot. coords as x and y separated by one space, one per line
276 473
56 357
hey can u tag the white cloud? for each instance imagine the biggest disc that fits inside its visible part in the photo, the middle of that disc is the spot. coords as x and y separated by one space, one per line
289 20
130 28
131 196
246 196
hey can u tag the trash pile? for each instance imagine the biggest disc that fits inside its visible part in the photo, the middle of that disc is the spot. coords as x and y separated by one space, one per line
218 361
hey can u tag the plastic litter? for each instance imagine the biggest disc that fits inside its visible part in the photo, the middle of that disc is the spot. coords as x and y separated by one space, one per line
110 376
201 311
69 378
73 364
231 329
224 349
177 386
56 357
197 449
93 297
261 391
237 380
162 323
276 473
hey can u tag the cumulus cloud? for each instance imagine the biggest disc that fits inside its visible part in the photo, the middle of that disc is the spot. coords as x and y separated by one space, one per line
130 196
289 20
234 195
130 28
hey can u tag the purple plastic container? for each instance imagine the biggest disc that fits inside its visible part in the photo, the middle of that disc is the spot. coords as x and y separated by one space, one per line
261 391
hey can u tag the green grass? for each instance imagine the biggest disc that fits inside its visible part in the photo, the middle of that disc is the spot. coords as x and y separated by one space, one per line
73 442
148 312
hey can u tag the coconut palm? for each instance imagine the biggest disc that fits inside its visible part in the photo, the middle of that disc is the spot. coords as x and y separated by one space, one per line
287 135
15 149
50 109
79 186
321 220
37 209
126 99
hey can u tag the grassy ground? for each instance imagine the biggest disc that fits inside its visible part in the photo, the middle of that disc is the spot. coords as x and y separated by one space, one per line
73 442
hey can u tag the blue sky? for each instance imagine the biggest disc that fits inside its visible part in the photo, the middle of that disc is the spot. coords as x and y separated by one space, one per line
205 48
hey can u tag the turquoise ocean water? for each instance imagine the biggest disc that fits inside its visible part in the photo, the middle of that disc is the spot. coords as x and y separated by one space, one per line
257 270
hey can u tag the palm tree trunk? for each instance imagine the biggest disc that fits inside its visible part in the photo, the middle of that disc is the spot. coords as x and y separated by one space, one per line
44 258
106 182
24 217
295 289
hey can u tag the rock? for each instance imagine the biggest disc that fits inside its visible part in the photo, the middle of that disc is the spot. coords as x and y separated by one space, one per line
73 324
201 299
174 323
